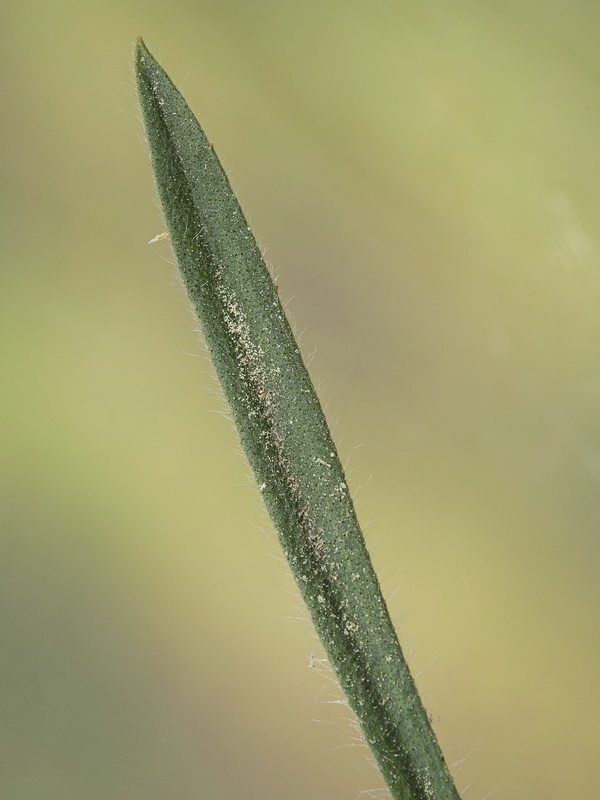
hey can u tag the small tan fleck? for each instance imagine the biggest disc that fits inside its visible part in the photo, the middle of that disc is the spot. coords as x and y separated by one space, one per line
159 238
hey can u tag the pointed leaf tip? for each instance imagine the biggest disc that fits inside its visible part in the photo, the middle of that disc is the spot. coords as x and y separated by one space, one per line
140 47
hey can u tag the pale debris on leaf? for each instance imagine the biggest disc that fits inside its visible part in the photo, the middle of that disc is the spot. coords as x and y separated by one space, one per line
158 238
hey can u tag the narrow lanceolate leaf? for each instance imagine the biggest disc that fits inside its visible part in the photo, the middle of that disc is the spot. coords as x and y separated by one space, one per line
286 438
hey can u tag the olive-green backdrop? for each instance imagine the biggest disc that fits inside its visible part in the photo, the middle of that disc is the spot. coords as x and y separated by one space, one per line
425 181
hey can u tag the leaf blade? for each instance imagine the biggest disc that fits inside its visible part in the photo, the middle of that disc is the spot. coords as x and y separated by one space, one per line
285 435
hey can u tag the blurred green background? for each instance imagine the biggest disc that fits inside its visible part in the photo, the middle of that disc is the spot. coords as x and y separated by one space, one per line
424 179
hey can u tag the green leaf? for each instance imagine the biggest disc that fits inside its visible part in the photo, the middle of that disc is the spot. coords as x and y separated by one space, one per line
286 438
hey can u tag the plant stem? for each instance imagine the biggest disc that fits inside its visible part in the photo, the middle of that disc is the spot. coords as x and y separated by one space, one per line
286 438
